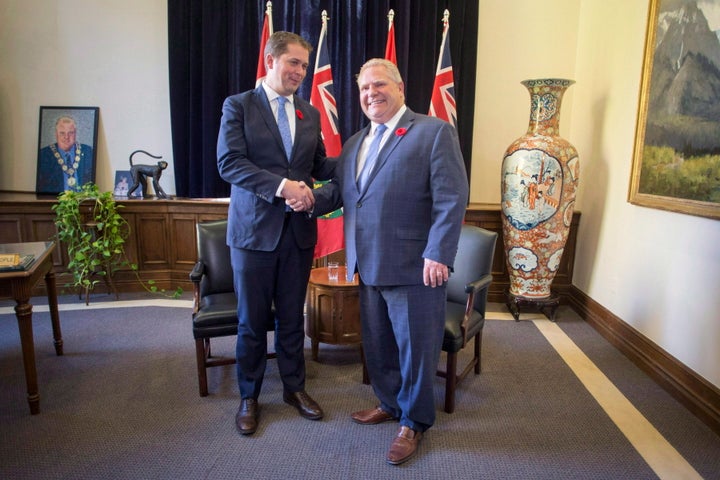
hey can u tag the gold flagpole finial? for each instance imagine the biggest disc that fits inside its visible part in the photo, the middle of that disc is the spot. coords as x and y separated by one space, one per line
446 17
268 8
390 16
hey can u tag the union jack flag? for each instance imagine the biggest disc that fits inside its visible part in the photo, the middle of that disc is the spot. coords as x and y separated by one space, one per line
322 97
267 30
442 104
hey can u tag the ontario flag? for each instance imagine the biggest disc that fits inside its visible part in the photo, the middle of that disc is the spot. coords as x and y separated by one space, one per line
322 97
390 53
442 104
267 30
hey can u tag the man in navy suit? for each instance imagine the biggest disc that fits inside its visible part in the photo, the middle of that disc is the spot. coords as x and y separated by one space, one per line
403 211
271 246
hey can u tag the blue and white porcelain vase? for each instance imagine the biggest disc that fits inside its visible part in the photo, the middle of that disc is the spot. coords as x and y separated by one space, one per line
540 172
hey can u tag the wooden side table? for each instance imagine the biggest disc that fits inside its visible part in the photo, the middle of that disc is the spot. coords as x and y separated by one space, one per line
333 312
19 285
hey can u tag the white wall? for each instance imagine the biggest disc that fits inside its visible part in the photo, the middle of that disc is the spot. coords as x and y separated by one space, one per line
658 271
655 270
103 53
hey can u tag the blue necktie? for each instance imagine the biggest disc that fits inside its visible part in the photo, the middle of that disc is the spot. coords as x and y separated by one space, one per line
371 156
284 126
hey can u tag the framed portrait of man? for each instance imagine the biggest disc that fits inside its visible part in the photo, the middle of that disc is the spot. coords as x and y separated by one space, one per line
67 144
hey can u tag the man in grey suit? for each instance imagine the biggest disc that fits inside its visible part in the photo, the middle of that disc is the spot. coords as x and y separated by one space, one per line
269 149
403 211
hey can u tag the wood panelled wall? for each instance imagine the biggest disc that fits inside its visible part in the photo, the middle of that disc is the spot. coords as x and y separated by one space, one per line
162 238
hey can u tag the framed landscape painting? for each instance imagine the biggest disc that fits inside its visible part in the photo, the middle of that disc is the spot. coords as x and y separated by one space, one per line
676 160
67 147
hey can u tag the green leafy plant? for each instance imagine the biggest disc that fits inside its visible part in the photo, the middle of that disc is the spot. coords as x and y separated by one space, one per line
89 224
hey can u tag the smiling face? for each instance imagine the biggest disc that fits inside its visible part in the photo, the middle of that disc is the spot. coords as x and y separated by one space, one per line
65 133
381 95
287 71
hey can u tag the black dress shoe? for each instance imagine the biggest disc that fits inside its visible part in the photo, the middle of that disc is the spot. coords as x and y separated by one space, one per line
246 419
307 407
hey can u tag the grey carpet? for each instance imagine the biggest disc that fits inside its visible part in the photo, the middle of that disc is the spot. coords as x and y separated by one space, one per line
123 403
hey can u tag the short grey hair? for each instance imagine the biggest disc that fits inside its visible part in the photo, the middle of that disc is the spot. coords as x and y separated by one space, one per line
65 119
389 67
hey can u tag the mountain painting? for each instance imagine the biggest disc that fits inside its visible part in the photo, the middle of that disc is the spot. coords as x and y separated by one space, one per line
677 150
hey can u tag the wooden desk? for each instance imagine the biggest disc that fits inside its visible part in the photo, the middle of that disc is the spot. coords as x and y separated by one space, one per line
333 312
18 285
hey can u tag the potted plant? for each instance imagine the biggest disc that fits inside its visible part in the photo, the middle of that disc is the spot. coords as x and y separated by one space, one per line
89 224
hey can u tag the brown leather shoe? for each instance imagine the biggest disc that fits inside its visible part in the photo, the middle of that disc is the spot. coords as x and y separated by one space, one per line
372 416
307 407
404 446
246 419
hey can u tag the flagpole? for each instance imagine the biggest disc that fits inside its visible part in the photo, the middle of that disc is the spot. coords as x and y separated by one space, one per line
268 13
390 53
442 103
267 30
446 23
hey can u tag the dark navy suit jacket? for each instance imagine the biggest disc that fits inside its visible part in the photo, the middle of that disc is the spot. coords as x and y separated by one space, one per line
413 204
251 157
50 175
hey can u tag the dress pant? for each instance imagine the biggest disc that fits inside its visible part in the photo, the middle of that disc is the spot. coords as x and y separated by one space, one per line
261 279
402 331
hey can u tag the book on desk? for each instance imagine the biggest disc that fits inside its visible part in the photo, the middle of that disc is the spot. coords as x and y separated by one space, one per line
14 261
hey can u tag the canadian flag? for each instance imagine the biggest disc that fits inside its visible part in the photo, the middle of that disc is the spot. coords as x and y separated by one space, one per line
322 97
267 30
390 45
442 104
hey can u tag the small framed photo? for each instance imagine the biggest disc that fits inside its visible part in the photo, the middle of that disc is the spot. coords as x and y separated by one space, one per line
67 144
123 181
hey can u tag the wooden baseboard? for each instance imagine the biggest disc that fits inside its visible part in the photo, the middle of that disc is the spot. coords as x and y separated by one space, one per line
690 389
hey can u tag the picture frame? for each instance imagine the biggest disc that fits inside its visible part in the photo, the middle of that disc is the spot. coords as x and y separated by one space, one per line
67 148
123 182
676 157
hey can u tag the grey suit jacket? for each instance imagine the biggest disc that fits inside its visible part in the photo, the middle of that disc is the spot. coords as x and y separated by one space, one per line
413 204
251 157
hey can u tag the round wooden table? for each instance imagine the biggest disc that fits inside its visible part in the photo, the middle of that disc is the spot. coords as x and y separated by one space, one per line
333 312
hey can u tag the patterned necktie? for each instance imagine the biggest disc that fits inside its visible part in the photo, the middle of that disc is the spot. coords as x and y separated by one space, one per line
371 156
284 126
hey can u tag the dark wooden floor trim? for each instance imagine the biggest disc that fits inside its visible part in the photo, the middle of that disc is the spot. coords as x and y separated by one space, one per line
694 392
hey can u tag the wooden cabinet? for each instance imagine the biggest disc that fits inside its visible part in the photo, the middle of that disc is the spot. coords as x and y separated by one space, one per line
162 241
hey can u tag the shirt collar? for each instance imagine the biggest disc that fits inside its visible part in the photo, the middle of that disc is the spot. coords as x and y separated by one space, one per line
391 123
272 94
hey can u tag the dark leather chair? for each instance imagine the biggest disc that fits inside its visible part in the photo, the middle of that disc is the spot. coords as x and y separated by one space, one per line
214 302
467 291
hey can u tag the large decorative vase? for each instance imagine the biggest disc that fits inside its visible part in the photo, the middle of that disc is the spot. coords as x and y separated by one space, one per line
539 180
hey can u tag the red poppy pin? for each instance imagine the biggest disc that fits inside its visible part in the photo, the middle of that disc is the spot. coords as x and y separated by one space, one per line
299 114
400 132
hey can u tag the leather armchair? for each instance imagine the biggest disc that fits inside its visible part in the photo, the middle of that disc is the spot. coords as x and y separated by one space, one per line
214 301
467 291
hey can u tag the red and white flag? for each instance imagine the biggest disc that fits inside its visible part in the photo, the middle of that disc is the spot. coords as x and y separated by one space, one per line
442 104
322 97
267 30
390 45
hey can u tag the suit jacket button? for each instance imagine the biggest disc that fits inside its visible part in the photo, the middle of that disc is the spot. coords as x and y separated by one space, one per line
359 204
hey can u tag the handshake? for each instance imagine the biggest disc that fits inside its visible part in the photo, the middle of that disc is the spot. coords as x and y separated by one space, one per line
298 196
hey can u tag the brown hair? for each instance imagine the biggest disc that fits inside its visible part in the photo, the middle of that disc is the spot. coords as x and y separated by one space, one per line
278 43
